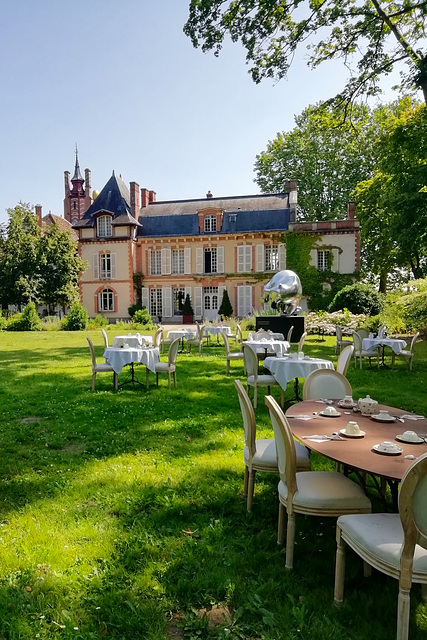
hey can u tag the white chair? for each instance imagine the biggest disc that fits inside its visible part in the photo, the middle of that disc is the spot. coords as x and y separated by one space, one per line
326 383
315 493
289 336
163 340
158 339
363 333
254 379
260 455
237 336
100 367
231 355
406 353
104 335
395 544
360 353
198 339
166 367
341 342
301 341
344 359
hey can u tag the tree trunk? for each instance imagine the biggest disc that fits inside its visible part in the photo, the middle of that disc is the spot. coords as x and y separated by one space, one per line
383 281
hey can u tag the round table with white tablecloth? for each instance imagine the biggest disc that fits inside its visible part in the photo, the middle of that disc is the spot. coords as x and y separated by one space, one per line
291 368
280 347
396 345
134 340
118 357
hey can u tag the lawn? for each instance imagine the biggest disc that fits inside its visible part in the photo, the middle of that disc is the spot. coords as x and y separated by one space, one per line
122 514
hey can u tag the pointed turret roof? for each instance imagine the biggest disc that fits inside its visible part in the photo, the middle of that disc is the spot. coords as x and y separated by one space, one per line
115 199
77 175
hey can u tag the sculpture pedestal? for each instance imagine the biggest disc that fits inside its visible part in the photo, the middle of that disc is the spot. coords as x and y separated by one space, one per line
282 324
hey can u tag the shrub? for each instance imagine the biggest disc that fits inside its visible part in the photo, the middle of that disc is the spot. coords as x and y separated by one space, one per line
187 309
3 323
77 319
225 309
51 323
142 317
358 298
28 320
134 308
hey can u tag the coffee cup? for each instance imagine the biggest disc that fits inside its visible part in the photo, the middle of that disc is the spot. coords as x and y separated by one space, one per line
300 355
348 401
352 428
330 411
383 414
387 446
410 436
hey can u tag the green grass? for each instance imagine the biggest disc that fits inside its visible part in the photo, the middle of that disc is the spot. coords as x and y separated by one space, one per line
120 510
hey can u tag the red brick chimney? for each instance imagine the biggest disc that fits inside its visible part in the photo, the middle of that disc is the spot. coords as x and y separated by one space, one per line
351 210
134 199
144 198
38 208
152 196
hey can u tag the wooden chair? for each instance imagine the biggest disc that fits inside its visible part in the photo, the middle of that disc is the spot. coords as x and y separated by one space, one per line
289 336
104 335
301 341
237 336
344 359
363 333
168 367
406 353
326 383
254 379
198 339
260 455
393 543
360 353
158 339
231 355
341 342
315 493
100 367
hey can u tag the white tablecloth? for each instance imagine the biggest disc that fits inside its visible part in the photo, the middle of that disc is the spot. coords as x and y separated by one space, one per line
286 369
216 330
118 357
134 340
280 347
181 333
368 344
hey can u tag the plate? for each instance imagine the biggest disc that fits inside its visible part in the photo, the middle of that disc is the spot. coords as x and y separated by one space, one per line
329 415
344 405
388 419
387 453
402 439
353 435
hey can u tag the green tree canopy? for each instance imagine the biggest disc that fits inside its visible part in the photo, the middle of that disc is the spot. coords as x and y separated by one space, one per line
370 36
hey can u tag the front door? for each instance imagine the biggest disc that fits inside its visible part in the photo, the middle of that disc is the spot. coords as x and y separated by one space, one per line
210 303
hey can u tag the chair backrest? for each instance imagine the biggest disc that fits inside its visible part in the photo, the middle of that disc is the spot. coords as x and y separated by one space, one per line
381 331
239 333
338 332
285 445
344 359
363 333
173 351
301 341
158 337
412 510
92 351
325 383
251 361
357 341
201 330
104 335
413 341
226 343
289 336
248 416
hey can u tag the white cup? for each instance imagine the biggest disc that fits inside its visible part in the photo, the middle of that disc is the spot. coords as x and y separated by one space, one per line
410 435
383 414
329 411
387 446
352 428
300 355
348 401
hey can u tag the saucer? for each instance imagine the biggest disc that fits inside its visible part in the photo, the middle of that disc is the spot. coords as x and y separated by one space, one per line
387 452
402 439
361 433
385 419
329 415
344 405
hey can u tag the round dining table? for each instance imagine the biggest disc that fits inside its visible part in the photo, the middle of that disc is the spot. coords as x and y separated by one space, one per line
292 367
118 357
357 453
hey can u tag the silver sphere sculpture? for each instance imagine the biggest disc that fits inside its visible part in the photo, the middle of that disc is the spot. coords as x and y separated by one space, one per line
283 292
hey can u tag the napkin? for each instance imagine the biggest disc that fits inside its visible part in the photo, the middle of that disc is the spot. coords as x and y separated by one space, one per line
301 416
317 438
409 416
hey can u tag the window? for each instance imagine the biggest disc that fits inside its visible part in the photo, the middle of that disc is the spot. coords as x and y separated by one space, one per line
156 302
178 261
323 260
178 301
106 300
210 223
244 258
271 258
105 264
211 261
210 298
244 300
103 225
155 263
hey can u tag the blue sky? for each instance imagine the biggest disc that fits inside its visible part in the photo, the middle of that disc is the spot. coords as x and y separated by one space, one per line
123 82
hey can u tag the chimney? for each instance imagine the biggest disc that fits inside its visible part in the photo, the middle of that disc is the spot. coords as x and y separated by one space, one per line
209 195
67 182
38 208
134 199
88 185
151 196
144 198
351 210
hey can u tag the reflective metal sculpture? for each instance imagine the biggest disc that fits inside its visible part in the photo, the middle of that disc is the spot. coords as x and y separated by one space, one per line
283 292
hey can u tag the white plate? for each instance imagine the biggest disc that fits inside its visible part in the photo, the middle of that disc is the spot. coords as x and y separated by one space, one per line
353 435
385 452
329 415
387 419
402 439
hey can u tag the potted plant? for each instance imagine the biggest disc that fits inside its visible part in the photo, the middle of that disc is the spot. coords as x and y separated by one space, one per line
187 311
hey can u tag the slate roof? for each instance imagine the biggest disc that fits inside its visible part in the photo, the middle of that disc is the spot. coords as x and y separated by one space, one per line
115 199
63 224
231 203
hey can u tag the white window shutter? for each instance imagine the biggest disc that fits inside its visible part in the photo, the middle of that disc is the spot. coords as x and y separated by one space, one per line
240 263
220 258
221 289
167 301
335 266
96 267
113 265
145 297
282 256
244 300
187 260
248 257
199 259
99 302
149 263
166 261
313 258
198 311
259 257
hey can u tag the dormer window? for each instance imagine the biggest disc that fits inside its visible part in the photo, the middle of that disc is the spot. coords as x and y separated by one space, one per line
103 227
210 223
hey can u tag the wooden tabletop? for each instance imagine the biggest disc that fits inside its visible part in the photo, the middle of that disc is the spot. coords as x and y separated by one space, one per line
357 452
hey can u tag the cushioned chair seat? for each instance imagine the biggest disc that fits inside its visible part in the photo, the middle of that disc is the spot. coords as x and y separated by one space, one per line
235 355
165 366
326 491
380 536
101 366
262 381
266 455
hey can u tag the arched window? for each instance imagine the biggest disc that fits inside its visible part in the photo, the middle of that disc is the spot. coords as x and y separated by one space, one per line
103 227
106 300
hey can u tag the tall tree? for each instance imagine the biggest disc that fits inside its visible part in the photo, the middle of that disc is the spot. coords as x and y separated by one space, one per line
371 35
328 157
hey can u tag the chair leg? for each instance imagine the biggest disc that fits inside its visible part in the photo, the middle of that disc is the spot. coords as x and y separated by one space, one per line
228 367
115 381
290 541
251 484
255 396
281 524
367 569
174 379
93 381
410 363
157 379
339 569
169 379
147 383
245 482
403 609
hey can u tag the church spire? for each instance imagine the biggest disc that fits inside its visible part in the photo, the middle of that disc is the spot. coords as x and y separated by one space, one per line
77 175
